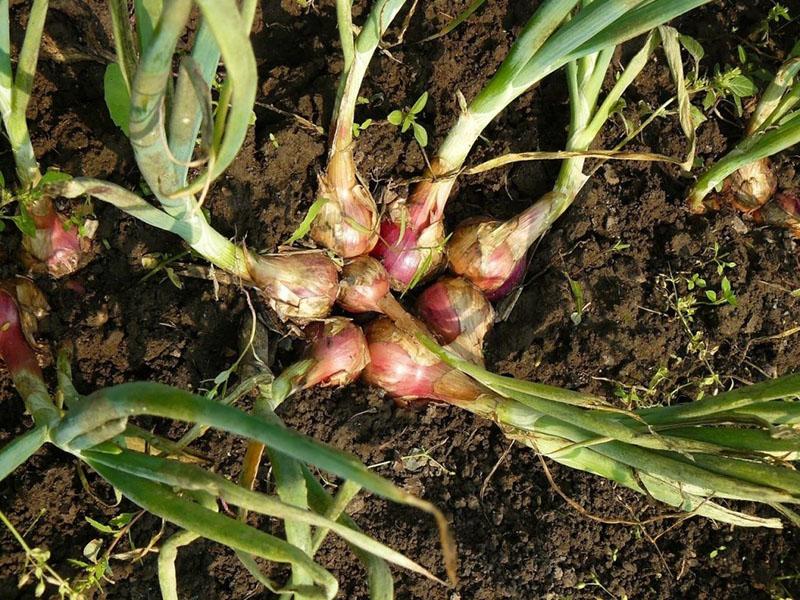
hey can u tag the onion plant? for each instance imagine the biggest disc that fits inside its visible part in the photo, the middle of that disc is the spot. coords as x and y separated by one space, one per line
50 242
493 254
739 445
96 429
335 356
559 32
164 125
744 177
347 222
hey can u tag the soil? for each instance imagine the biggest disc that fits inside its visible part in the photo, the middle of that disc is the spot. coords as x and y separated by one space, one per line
628 234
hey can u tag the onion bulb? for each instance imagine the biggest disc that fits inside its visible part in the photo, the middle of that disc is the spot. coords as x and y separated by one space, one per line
411 243
56 247
347 223
299 286
747 189
335 356
339 351
403 367
365 288
753 185
21 304
492 254
459 316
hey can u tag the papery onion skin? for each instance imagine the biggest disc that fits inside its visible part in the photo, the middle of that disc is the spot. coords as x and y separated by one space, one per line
339 350
459 316
409 254
753 185
494 269
31 303
299 286
783 211
747 189
511 283
401 366
363 284
347 223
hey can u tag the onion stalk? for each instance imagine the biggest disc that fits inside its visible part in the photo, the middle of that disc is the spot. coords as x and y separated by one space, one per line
494 254
52 243
347 222
637 451
744 176
335 355
559 32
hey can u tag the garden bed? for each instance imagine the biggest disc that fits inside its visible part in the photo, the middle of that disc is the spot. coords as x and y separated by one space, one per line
625 241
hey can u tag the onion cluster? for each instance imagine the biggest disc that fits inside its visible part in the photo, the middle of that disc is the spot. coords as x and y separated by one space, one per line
489 259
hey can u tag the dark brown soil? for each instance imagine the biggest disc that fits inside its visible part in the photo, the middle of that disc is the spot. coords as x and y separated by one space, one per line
517 538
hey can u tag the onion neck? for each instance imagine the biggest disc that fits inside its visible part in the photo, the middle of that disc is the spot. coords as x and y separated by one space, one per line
489 102
27 167
341 172
344 115
217 249
390 307
357 55
290 381
428 198
533 222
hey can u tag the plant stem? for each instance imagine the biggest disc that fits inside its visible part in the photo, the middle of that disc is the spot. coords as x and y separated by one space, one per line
357 57
741 400
192 226
344 22
16 89
20 449
498 92
167 554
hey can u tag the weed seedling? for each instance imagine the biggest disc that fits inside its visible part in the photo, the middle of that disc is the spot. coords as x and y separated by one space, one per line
359 127
408 119
576 290
732 83
776 14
